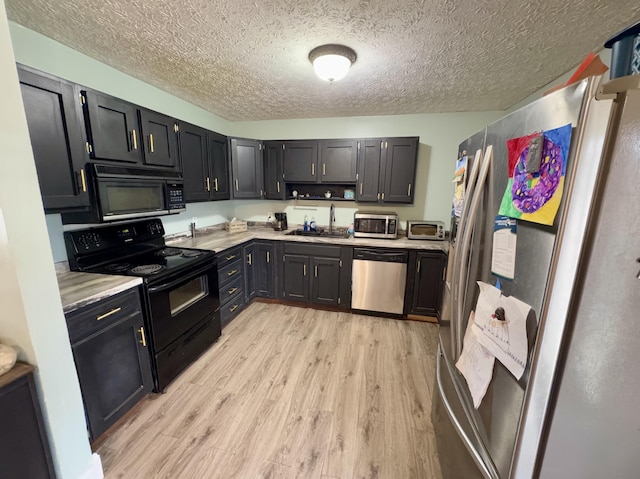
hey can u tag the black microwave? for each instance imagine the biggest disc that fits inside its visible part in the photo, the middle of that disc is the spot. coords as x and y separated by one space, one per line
123 192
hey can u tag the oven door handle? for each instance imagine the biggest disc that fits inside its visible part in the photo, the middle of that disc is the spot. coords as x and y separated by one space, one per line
189 276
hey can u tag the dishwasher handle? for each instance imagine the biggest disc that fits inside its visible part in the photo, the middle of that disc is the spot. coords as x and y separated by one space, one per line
387 256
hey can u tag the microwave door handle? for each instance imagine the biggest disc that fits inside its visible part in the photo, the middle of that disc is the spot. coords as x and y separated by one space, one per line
466 246
182 279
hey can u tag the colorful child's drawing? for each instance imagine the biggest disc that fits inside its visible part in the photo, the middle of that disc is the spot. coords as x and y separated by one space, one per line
536 196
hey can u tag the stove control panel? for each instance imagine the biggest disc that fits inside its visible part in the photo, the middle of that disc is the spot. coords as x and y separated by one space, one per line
88 241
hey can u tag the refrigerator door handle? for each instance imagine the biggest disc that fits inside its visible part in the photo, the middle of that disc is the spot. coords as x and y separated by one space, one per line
466 245
456 424
457 260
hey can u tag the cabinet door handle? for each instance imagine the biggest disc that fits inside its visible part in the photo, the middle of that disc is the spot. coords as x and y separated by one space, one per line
378 196
232 309
324 169
419 263
105 315
444 273
409 190
304 269
215 184
208 184
83 180
134 139
143 338
316 271
151 149
268 257
229 258
382 196
237 185
278 185
231 291
313 169
232 272
249 259
361 188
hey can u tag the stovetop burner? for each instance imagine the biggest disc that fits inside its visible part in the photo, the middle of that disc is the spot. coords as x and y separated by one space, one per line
118 267
147 269
191 254
168 252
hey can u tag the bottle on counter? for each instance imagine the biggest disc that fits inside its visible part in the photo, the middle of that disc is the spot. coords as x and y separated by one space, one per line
312 225
350 229
305 226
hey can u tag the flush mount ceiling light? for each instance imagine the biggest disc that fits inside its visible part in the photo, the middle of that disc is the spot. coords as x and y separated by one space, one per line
332 62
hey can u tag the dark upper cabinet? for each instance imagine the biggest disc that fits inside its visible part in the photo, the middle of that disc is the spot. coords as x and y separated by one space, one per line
387 170
325 282
58 146
112 128
246 167
427 282
111 357
159 135
120 131
218 183
205 164
296 277
300 161
338 159
265 272
368 185
249 252
195 162
273 170
400 169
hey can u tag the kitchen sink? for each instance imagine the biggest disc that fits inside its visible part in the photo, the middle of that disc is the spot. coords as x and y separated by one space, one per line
317 233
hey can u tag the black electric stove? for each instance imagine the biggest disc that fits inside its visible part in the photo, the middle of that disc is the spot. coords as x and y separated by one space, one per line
180 287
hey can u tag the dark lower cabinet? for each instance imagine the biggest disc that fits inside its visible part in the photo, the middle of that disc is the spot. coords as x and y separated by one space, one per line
249 252
109 344
265 272
55 129
428 270
24 447
232 264
296 277
317 274
325 282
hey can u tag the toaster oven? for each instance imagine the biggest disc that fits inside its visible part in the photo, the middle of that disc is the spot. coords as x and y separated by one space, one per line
425 230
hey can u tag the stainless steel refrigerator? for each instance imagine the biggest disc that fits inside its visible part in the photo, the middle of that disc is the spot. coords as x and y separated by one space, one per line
575 412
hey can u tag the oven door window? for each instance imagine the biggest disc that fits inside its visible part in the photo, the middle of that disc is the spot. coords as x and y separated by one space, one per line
188 294
371 225
424 230
129 197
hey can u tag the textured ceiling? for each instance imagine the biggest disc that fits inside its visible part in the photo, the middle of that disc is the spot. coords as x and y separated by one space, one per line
247 60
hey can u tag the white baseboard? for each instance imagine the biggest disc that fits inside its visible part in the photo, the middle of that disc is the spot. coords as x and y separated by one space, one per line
95 468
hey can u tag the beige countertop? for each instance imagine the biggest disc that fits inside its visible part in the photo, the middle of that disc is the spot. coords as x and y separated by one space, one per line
80 289
218 240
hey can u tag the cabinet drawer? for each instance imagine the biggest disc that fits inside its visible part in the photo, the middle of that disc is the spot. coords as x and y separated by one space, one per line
233 288
228 256
230 272
312 250
233 307
97 316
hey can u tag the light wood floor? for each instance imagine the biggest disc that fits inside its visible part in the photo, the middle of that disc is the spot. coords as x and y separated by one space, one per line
291 393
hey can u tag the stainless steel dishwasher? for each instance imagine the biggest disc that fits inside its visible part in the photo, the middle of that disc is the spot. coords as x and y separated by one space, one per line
378 280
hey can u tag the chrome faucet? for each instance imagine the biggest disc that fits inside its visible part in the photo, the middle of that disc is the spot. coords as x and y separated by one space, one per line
332 217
